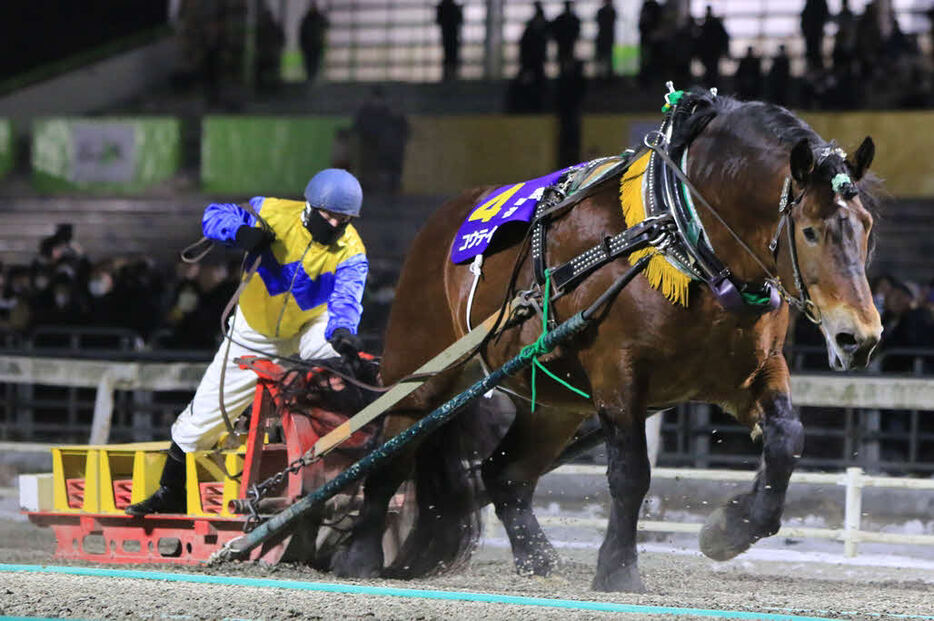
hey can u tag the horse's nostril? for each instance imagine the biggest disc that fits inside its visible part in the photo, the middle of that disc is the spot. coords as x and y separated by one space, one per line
847 341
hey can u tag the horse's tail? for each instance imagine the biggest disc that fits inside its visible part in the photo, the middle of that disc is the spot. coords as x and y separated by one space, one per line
447 487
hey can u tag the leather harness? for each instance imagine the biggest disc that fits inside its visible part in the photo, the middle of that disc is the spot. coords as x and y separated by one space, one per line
672 227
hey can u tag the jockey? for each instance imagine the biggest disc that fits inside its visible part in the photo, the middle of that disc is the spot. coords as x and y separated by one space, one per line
304 298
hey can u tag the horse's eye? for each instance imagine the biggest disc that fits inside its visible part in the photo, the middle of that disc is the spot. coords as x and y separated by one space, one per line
810 234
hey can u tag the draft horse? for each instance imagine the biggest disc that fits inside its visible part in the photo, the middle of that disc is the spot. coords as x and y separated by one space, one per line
645 353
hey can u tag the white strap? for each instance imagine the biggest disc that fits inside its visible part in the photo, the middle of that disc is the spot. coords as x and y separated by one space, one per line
476 268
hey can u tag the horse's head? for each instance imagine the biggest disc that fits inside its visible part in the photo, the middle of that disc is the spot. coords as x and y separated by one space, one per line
832 238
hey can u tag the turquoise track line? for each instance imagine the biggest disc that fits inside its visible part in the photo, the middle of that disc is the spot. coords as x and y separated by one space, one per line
354 589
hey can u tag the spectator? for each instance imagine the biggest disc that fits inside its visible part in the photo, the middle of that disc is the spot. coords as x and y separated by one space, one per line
186 320
526 93
450 17
381 136
17 294
139 289
905 326
650 19
869 41
311 39
749 76
533 44
571 89
813 18
269 43
898 46
58 305
881 286
102 303
565 30
59 245
606 36
779 81
713 43
677 34
844 43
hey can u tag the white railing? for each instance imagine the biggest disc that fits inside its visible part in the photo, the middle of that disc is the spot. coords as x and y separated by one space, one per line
853 479
848 391
105 376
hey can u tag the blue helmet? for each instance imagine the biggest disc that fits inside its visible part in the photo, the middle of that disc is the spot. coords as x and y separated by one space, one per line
335 190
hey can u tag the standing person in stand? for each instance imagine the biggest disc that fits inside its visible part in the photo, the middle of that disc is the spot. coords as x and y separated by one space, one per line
566 29
606 36
713 43
312 34
304 298
450 17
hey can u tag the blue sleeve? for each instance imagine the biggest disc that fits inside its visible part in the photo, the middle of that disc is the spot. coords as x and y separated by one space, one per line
221 220
344 307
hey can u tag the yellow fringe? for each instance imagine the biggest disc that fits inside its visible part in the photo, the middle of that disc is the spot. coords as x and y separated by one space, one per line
662 275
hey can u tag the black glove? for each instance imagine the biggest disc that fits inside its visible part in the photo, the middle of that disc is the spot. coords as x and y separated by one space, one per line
251 238
346 344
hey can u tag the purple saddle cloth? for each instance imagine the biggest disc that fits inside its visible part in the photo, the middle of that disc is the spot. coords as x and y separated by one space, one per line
509 203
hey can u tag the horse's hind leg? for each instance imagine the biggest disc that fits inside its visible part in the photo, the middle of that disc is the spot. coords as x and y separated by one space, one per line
511 473
628 476
746 518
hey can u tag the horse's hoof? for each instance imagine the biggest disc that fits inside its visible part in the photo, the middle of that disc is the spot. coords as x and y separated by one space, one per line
349 562
536 565
723 536
626 579
541 562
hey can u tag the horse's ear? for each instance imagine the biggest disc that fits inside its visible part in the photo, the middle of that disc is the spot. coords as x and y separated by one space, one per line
863 158
802 161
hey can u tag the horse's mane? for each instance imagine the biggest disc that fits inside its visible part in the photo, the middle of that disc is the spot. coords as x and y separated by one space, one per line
773 122
698 108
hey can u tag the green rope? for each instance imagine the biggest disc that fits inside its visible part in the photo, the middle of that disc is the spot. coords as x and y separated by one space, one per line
538 348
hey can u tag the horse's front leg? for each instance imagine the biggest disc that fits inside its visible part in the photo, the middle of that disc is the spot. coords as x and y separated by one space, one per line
748 517
628 476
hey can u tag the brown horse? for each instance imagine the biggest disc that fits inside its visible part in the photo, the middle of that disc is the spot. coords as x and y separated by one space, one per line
645 353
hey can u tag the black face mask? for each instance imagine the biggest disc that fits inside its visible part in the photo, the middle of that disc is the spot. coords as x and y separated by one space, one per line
321 230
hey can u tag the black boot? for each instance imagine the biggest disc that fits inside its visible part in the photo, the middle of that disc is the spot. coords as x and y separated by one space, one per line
170 497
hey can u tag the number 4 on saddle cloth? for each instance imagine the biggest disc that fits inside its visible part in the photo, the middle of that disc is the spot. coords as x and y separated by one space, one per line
517 202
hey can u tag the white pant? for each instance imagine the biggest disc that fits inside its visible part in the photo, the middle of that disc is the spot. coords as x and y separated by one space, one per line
201 423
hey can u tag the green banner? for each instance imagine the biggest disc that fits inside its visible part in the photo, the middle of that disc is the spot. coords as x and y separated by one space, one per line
263 155
6 146
104 154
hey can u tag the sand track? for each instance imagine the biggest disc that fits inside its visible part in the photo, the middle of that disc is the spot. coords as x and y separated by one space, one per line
805 588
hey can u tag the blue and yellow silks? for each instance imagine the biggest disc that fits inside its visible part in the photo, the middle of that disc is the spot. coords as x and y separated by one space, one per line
308 277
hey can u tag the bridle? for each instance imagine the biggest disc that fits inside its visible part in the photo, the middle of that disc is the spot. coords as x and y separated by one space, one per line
786 221
802 301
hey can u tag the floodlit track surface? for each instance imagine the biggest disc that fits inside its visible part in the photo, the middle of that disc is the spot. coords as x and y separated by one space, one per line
787 589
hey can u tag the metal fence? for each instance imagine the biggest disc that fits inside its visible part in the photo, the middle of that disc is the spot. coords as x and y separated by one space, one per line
877 439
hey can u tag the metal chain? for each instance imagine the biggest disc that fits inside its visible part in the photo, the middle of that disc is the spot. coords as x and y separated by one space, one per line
259 490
